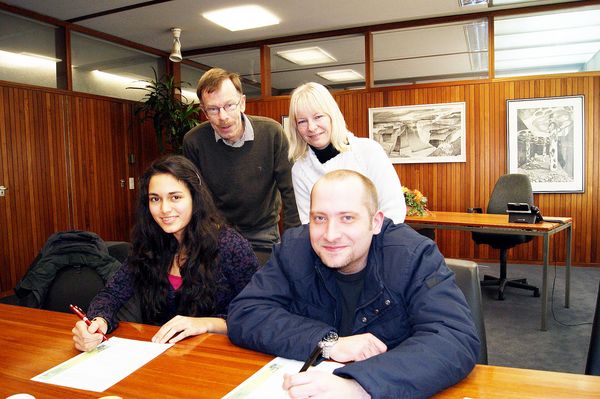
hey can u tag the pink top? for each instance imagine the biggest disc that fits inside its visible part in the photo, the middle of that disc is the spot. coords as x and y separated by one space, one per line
175 281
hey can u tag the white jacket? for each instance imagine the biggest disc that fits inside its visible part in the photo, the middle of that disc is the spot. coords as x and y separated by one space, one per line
366 157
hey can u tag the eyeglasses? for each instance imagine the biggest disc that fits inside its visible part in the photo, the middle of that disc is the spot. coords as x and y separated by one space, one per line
214 111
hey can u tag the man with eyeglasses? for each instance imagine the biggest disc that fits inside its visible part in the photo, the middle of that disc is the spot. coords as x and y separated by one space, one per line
243 160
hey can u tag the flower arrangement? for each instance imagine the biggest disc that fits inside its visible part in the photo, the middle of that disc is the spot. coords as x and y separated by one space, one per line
416 202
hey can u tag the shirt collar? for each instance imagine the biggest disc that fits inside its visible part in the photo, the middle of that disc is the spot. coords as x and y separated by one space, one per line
248 134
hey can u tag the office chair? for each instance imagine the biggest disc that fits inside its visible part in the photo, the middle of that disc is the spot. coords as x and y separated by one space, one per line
466 274
592 366
78 283
509 188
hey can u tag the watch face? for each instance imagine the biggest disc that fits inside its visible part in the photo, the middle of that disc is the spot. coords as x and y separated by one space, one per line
331 337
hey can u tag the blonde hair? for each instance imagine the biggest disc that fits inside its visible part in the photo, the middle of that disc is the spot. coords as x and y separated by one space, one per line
211 80
312 98
370 192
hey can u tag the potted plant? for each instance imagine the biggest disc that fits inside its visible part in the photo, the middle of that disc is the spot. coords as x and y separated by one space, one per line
171 117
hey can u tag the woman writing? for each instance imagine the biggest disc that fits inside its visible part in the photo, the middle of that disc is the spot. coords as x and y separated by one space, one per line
321 143
185 267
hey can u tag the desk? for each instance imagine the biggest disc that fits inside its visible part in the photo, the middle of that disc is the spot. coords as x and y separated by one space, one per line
209 366
498 224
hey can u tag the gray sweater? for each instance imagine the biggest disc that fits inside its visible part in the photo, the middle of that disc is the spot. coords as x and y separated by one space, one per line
245 181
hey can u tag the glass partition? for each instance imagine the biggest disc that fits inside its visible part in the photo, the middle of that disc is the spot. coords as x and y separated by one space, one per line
338 63
189 80
563 41
27 51
432 53
107 69
244 62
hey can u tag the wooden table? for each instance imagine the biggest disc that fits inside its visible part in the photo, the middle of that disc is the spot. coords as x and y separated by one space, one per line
209 366
498 224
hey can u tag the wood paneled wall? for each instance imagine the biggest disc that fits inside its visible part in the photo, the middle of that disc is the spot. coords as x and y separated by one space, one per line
458 186
63 156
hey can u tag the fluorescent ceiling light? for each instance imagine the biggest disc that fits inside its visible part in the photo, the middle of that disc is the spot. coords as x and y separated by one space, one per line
466 3
540 71
565 51
502 2
242 17
542 62
341 75
190 96
307 56
27 60
135 81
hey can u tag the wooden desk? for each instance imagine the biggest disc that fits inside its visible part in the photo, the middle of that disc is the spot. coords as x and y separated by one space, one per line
498 224
209 366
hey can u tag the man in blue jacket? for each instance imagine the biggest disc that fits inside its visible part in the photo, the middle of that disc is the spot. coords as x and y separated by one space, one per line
404 328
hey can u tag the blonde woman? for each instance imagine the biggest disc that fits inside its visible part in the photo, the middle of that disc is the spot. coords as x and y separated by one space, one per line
320 143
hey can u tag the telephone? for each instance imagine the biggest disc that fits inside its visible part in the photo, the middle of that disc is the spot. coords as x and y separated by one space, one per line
522 212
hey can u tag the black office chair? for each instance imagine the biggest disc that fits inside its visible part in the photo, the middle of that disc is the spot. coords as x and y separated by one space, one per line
71 268
592 366
508 188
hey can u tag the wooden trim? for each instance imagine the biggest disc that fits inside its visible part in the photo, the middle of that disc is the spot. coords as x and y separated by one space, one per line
369 65
117 10
265 71
491 49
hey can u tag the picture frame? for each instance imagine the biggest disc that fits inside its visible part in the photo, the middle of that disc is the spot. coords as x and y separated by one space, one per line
546 142
427 133
285 122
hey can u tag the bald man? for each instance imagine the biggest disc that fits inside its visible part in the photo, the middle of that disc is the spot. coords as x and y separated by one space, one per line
372 294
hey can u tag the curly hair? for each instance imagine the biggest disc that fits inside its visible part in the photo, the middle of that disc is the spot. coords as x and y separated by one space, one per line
154 250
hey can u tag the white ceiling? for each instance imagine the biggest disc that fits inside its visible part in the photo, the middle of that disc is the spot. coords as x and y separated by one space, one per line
150 25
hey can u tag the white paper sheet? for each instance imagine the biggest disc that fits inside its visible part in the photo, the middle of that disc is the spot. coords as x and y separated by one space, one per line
268 381
104 366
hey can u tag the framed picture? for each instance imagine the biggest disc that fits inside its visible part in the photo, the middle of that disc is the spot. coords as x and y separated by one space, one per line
421 133
545 142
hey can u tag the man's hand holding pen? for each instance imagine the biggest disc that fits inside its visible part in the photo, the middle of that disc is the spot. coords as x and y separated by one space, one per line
322 384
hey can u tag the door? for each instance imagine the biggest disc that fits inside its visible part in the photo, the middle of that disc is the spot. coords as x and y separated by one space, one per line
33 170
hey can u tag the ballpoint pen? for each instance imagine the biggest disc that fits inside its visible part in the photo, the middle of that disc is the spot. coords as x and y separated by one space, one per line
312 358
77 310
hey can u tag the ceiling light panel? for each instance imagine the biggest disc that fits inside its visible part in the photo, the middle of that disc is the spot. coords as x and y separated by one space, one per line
307 56
242 17
341 75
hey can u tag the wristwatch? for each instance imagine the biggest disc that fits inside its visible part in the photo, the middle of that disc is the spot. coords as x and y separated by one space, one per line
327 344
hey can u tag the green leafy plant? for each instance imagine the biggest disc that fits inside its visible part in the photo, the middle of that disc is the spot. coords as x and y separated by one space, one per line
171 117
416 202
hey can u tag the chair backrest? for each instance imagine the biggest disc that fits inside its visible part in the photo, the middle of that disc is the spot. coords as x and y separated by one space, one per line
513 187
118 249
466 274
592 366
72 285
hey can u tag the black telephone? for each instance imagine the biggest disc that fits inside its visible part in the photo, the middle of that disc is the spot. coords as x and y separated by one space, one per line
522 212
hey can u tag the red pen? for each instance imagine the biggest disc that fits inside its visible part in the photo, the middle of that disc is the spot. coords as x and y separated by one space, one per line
77 310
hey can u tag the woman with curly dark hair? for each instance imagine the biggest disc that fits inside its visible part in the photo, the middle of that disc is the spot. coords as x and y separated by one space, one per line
186 264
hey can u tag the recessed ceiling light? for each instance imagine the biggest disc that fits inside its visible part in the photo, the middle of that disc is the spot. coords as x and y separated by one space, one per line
242 17
341 75
307 56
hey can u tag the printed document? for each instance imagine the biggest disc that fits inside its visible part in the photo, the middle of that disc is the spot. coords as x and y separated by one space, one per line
104 366
268 381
